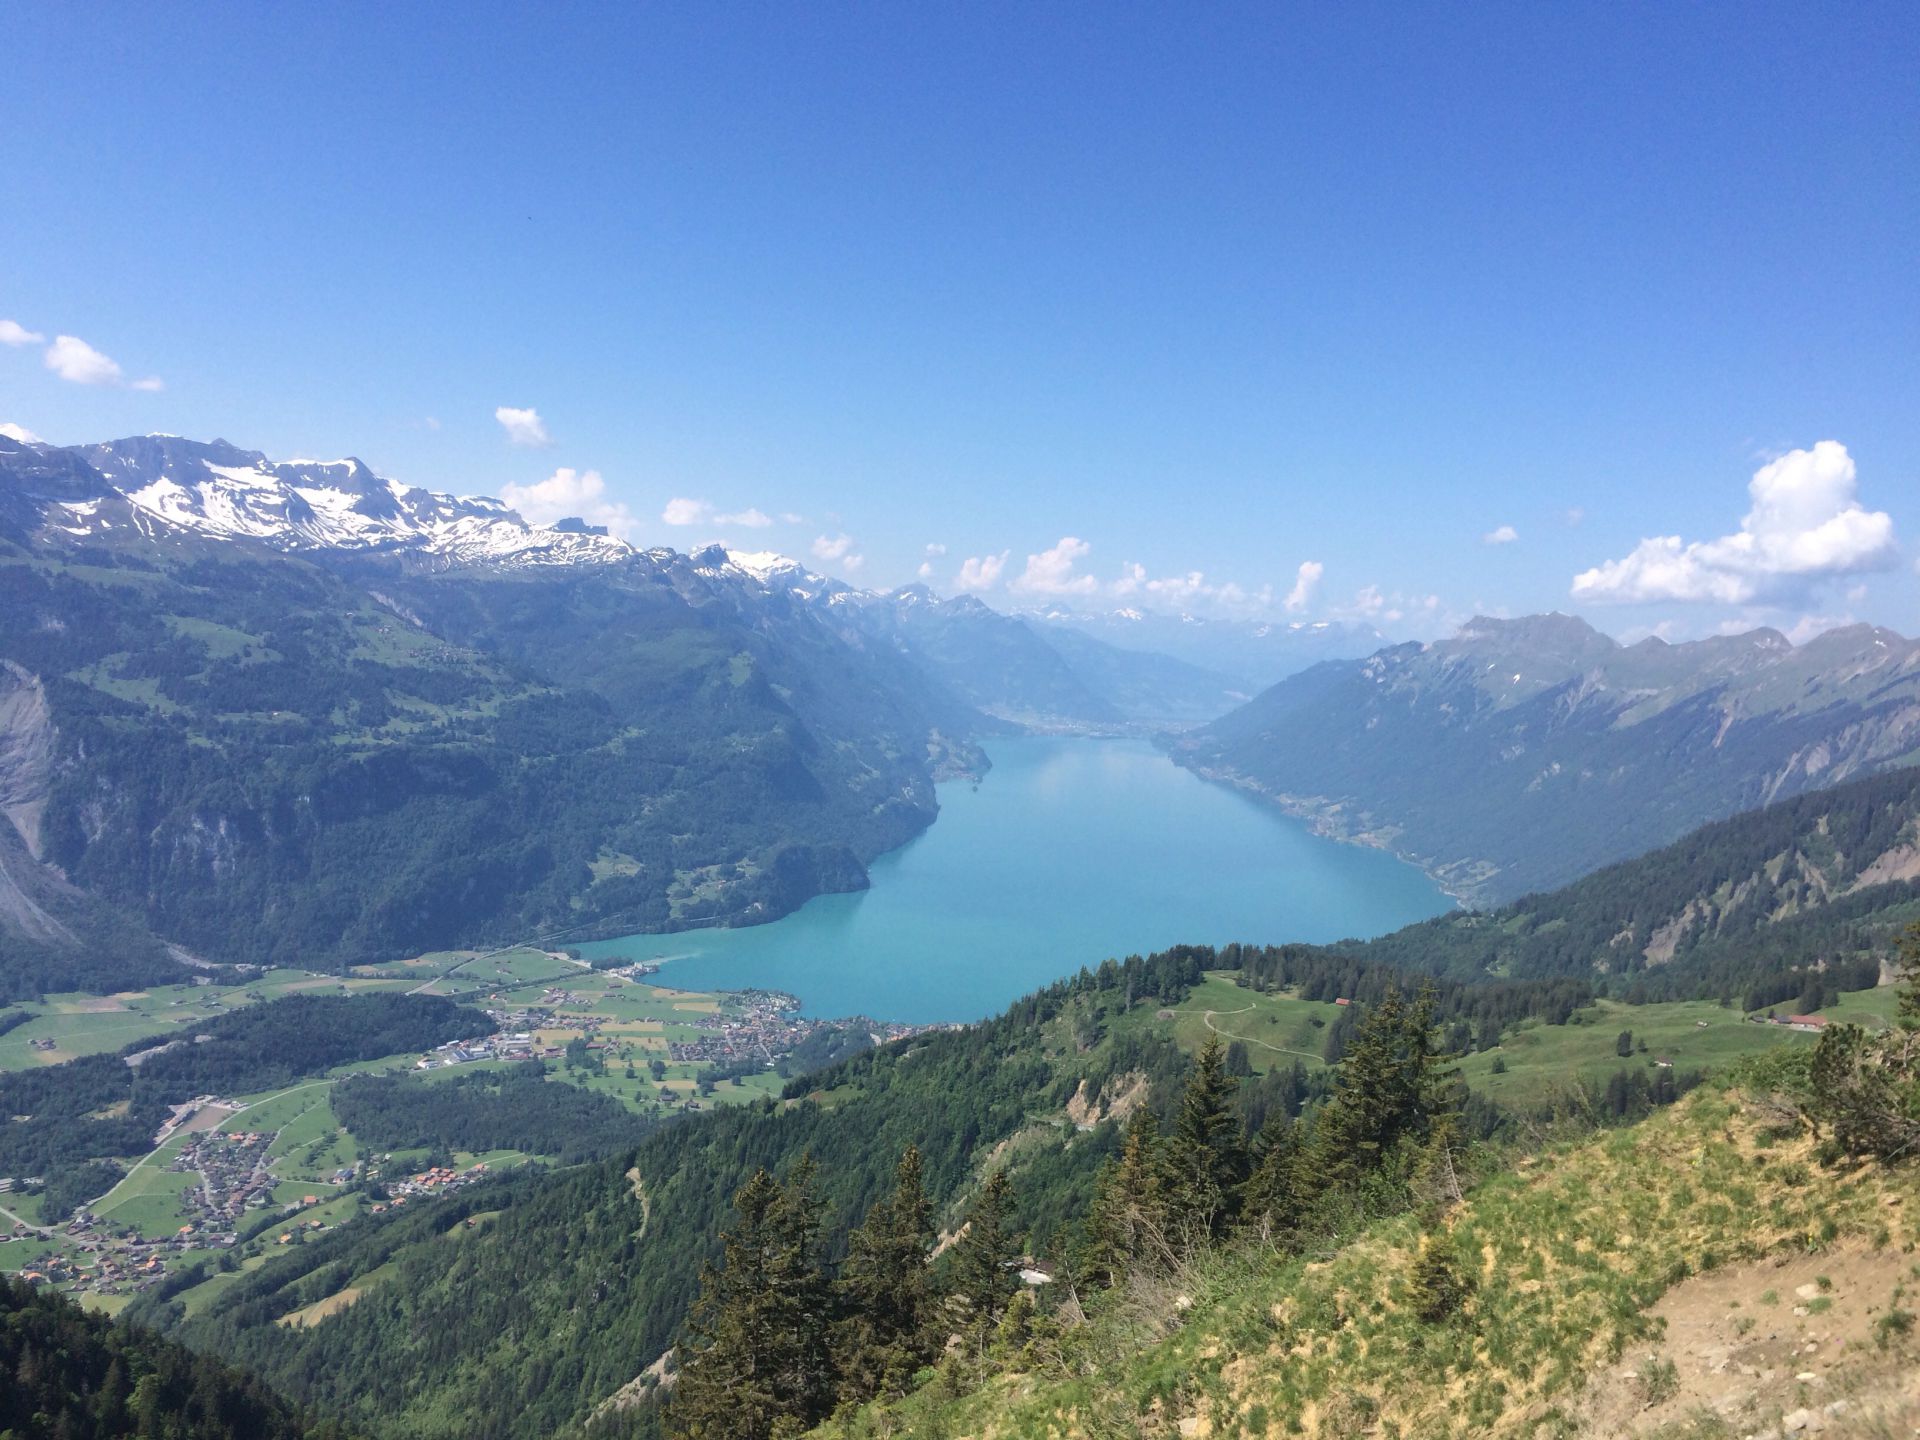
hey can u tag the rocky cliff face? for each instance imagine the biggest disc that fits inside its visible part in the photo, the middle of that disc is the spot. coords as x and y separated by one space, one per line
26 766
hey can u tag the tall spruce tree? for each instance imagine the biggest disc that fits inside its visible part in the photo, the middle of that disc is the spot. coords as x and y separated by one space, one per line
756 1363
1127 1224
885 1293
982 1279
1274 1202
1207 1159
1393 1080
1908 970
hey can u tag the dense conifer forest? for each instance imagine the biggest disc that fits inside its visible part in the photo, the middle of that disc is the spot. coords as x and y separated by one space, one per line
66 1374
512 1109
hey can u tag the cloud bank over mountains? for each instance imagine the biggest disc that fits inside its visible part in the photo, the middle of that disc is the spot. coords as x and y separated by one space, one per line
1805 525
571 493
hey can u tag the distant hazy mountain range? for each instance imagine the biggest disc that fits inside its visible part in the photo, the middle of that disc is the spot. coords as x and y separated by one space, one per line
1259 652
1522 753
292 710
289 710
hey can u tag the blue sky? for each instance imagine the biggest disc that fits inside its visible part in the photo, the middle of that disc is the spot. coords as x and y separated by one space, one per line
1215 290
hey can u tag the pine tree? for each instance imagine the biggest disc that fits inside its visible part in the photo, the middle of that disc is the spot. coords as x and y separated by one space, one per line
1207 1160
1393 1080
982 1279
1274 1202
1127 1225
1437 1285
885 1291
756 1363
1909 971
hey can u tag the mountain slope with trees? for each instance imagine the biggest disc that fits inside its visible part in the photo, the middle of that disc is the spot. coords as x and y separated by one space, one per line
70 1374
1780 906
290 712
578 1282
1520 754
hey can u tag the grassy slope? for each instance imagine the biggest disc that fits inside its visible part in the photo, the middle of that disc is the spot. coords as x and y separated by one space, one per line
1569 1253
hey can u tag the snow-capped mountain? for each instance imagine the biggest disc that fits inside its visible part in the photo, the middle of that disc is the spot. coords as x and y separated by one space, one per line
162 486
163 489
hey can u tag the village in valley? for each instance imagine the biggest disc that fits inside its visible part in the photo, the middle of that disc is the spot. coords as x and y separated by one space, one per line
233 1179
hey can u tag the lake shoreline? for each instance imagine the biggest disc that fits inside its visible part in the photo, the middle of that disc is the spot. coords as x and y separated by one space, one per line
1076 850
1329 819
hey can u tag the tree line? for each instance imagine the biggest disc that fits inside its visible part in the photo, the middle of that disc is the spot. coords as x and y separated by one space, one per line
781 1336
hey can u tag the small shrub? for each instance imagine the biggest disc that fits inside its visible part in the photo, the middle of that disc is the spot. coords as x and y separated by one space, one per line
1439 1287
1892 1326
1659 1381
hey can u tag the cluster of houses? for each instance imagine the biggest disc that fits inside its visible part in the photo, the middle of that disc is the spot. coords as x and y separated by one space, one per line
118 1261
233 1175
436 1181
639 970
762 1026
503 1044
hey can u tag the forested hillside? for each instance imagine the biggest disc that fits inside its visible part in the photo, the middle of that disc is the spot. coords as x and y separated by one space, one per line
1718 1270
574 1284
327 756
290 712
1797 900
78 1376
1521 754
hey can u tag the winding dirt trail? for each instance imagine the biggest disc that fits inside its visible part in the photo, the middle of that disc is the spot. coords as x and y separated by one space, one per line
1207 1018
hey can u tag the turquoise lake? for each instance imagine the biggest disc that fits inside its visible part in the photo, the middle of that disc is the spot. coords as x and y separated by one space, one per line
1069 851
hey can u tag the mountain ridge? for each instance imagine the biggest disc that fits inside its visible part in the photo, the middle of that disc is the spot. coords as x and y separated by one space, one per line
1518 754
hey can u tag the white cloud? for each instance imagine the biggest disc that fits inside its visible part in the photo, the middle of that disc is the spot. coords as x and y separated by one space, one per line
1505 535
1811 627
71 358
151 383
20 433
523 427
1179 589
682 511
832 547
568 492
1051 571
1182 591
787 517
981 572
12 332
925 572
1805 525
1305 581
1370 603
